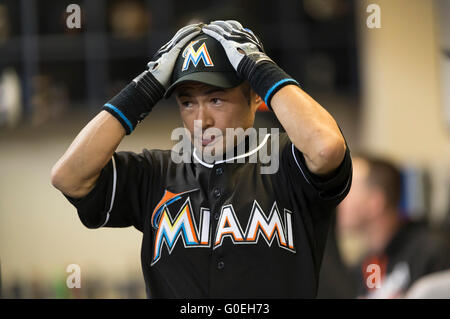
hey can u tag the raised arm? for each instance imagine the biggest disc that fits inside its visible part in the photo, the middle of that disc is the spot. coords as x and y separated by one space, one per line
77 171
309 126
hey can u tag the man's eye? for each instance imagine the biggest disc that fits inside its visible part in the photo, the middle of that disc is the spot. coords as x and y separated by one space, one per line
215 100
186 104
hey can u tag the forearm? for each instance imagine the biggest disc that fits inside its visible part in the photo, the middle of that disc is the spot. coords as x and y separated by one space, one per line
311 128
77 170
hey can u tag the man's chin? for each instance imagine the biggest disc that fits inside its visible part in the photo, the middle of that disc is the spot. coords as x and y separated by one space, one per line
212 150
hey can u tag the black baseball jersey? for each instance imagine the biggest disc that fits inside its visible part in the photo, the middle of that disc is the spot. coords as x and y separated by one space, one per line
221 230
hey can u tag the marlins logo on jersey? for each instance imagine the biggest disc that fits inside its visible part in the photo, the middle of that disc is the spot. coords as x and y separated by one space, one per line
194 56
169 228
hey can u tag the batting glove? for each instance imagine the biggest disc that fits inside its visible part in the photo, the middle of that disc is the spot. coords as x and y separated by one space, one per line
137 99
246 54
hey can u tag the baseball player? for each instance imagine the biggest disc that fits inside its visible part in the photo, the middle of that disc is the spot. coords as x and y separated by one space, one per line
214 226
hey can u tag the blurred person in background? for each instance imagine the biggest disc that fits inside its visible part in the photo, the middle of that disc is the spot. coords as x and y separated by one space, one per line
397 251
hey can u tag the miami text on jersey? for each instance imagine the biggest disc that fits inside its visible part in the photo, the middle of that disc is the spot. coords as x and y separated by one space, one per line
170 229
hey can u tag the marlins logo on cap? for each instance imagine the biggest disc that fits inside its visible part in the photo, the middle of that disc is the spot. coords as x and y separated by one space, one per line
194 56
203 60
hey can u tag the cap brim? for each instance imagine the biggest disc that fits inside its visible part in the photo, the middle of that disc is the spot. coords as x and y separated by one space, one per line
225 80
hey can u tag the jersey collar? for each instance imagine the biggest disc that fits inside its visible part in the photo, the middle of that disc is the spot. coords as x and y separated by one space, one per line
231 159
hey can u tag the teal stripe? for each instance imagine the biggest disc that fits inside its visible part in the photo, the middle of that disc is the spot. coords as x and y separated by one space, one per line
122 116
275 86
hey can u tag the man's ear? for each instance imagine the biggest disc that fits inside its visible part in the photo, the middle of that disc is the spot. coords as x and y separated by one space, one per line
256 100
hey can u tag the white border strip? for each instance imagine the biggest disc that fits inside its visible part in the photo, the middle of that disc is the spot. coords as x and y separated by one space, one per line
113 191
295 158
233 158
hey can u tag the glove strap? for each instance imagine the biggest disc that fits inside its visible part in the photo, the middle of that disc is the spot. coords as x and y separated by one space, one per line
131 105
265 77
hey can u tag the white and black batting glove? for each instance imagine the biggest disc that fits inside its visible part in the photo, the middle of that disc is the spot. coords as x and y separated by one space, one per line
137 99
163 61
246 53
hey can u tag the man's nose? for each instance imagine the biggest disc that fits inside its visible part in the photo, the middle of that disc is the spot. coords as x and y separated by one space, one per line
205 117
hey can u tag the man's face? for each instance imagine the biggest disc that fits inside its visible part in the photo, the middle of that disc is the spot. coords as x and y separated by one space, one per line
205 107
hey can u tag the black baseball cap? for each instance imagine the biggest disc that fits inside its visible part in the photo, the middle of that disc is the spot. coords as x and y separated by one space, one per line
203 60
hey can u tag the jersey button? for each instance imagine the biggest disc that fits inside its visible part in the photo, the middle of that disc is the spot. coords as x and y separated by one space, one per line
219 171
217 192
216 216
220 265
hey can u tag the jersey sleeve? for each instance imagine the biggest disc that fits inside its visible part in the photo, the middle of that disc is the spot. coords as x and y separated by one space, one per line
120 194
329 190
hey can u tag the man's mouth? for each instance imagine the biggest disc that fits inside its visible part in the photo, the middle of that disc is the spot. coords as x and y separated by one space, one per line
207 141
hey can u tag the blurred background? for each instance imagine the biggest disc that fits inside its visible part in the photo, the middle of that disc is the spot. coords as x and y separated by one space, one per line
387 85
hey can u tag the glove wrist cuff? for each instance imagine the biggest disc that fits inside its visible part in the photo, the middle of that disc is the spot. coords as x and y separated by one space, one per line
131 105
265 77
149 86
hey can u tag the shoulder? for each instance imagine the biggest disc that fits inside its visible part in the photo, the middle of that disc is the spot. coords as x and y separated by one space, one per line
147 161
146 155
157 154
164 161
